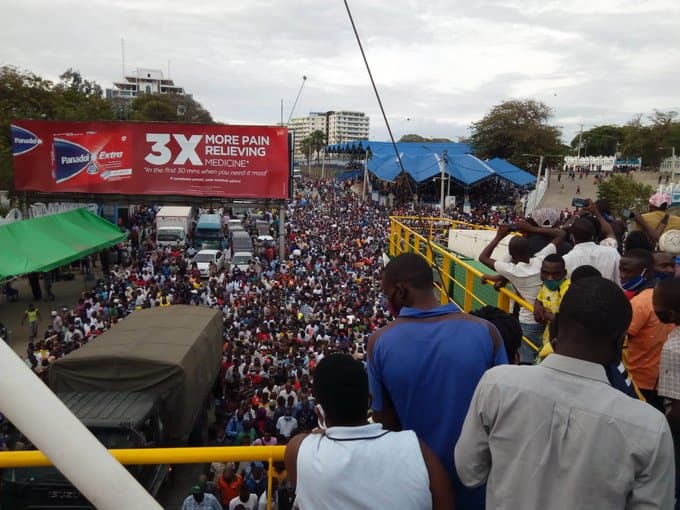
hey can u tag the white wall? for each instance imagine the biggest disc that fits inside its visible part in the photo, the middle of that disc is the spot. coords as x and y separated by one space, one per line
470 243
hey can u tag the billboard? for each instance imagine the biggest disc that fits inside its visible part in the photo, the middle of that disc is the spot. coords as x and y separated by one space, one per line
151 158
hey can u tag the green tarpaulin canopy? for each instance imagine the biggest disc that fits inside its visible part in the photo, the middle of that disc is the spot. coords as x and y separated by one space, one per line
48 242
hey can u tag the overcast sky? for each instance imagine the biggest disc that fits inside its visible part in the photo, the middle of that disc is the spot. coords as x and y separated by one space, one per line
439 64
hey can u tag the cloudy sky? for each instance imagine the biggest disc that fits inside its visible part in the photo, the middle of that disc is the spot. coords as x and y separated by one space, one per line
439 64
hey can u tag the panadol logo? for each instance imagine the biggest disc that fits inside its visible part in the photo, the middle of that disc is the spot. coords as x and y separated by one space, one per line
69 159
23 140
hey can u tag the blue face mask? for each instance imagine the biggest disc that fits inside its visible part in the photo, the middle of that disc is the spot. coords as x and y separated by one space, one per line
634 283
662 275
553 284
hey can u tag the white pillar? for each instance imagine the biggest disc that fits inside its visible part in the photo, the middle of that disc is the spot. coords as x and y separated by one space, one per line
442 169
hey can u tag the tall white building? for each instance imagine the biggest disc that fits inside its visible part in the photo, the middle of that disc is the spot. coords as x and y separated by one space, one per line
141 81
305 126
338 126
345 126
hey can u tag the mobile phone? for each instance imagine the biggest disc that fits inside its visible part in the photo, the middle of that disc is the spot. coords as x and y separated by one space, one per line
579 202
513 227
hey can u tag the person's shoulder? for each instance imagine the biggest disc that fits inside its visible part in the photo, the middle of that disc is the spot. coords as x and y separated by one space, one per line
636 413
643 298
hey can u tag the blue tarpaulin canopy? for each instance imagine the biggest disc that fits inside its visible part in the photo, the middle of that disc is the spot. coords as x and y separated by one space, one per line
510 172
421 161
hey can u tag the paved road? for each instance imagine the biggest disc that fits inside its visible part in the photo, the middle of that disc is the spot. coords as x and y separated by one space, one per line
560 194
67 294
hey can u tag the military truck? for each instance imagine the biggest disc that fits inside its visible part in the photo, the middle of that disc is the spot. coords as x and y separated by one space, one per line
144 383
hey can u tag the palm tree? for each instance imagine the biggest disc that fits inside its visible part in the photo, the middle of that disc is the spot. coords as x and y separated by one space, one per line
318 142
306 148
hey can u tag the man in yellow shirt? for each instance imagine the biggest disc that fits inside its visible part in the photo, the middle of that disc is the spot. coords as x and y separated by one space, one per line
547 304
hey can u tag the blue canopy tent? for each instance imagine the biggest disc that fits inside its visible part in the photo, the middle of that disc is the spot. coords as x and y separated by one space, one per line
421 162
511 173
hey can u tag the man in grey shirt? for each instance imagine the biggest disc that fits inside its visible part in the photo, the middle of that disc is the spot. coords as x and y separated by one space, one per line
558 435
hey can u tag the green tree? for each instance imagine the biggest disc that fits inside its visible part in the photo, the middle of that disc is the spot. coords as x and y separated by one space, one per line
412 137
623 192
599 141
80 99
24 95
168 108
515 128
306 148
317 141
654 140
417 138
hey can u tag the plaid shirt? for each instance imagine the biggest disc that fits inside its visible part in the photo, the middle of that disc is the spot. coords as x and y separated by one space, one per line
669 368
209 503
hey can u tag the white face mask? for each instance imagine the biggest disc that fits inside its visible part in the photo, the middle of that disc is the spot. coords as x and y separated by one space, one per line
322 416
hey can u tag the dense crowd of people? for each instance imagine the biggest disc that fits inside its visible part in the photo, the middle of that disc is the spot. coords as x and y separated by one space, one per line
331 296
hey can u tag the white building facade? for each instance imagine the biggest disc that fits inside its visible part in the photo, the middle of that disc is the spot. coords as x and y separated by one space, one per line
346 126
338 126
141 81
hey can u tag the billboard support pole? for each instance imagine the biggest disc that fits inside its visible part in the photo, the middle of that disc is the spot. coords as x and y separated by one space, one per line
282 233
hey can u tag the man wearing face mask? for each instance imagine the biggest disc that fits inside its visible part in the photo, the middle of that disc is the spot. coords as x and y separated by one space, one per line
350 463
646 334
558 435
554 286
430 346
200 500
664 265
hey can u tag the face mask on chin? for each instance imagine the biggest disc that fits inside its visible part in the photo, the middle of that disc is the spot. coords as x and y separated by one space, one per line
634 283
662 275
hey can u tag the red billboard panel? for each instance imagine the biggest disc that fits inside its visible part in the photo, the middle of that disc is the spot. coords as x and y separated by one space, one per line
151 158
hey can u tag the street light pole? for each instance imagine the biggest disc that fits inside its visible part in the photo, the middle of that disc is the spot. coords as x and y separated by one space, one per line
442 168
673 165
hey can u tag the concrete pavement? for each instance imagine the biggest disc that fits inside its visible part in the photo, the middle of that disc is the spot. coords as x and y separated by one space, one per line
560 194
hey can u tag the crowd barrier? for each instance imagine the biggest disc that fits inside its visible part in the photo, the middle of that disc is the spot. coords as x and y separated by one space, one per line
456 279
269 454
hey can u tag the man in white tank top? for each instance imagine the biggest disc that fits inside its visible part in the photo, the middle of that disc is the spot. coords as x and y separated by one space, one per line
350 463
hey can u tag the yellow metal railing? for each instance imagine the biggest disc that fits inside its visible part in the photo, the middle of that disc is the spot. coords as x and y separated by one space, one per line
269 454
423 235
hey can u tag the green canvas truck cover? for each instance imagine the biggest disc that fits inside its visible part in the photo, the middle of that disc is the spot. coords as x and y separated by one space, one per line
173 352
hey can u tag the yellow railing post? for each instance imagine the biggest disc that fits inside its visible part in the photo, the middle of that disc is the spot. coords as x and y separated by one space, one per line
269 482
503 302
469 289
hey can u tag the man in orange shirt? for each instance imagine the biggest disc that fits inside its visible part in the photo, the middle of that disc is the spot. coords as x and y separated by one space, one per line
646 333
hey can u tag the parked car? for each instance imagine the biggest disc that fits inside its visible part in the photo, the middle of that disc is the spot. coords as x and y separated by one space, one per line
203 259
